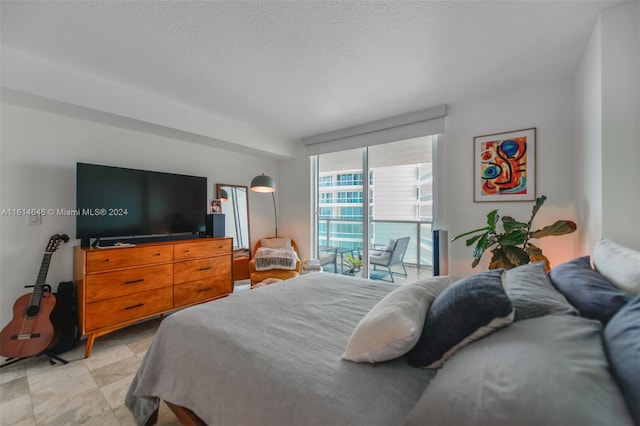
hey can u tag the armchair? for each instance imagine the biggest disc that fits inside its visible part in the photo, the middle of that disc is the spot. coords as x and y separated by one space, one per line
283 274
392 254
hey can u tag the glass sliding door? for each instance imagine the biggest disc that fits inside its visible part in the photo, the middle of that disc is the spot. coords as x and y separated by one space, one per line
401 208
361 215
340 210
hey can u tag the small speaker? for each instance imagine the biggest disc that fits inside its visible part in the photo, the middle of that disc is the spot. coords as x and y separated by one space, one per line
214 225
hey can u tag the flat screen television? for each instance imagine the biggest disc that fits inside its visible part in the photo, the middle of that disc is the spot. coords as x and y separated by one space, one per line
129 203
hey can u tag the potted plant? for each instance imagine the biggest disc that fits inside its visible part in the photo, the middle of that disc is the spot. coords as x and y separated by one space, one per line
512 246
355 263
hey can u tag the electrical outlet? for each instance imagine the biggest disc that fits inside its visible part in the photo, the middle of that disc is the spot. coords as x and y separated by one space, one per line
34 219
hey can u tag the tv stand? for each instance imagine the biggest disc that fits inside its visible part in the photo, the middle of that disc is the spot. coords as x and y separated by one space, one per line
123 285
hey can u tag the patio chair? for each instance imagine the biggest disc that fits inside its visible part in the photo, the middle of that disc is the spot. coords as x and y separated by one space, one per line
328 256
391 255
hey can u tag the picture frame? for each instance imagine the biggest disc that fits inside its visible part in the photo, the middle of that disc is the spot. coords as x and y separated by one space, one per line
216 206
504 166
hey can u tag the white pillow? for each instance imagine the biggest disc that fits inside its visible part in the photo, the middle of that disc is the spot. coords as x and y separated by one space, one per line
392 327
281 242
618 264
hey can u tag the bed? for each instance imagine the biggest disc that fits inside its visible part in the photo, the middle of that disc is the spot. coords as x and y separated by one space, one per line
272 356
501 348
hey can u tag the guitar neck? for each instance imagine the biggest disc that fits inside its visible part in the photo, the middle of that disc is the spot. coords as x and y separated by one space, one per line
38 289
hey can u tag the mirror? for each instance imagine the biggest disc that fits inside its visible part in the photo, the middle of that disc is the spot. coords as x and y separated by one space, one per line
236 211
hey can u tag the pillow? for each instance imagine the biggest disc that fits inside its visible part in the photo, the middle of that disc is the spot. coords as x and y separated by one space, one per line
394 324
622 343
549 370
467 310
532 293
280 242
618 264
586 289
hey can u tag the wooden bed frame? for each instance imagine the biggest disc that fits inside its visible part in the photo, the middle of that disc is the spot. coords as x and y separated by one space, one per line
184 415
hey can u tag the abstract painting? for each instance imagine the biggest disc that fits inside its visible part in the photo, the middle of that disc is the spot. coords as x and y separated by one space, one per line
504 166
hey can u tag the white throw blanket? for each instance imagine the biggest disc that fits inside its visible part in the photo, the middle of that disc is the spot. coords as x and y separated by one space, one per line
275 258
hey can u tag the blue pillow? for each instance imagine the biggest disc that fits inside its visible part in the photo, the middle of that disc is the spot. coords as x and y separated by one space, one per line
465 311
589 291
622 344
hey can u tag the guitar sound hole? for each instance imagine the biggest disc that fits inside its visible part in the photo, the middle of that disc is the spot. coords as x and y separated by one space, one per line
32 311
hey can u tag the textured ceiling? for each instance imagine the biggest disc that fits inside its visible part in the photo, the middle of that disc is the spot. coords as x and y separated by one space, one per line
296 69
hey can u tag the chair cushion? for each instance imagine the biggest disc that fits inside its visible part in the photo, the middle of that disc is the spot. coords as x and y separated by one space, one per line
586 289
532 293
280 242
618 264
394 324
466 311
381 257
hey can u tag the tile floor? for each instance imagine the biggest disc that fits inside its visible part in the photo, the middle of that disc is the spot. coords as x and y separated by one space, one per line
86 391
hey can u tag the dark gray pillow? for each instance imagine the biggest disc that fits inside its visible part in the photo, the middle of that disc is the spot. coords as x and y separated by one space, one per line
550 370
589 291
532 293
622 343
465 311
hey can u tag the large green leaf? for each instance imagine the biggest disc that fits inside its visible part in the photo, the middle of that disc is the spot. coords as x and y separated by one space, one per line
539 202
485 229
492 219
472 240
561 227
480 247
513 238
511 224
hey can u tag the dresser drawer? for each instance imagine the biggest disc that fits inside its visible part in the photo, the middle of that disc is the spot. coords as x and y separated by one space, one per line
201 290
106 285
192 270
127 308
115 258
192 250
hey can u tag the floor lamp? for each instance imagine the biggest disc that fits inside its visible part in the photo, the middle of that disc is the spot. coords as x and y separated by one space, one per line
264 183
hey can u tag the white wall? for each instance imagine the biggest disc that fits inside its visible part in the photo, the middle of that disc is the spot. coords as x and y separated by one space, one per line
607 129
38 155
546 107
588 131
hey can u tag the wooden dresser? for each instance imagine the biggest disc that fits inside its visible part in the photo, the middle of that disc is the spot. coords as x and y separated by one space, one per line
120 286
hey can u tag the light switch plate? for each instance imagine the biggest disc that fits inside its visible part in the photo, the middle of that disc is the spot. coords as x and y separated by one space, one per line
34 219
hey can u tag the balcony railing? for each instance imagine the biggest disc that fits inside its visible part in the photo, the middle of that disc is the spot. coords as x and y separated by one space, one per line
346 233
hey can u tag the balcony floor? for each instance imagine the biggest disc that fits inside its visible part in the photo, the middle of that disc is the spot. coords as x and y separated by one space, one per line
413 273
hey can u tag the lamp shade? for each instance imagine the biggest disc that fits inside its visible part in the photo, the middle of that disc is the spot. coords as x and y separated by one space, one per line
224 196
263 183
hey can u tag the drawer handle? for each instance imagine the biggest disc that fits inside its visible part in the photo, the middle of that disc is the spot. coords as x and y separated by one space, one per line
204 289
139 280
106 260
187 251
134 306
204 268
158 254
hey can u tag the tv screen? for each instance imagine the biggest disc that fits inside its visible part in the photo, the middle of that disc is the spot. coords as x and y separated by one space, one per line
120 202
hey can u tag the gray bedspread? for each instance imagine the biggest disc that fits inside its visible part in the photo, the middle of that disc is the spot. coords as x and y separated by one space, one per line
272 356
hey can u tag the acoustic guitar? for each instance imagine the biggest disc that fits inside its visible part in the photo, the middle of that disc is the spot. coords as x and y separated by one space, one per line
31 332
